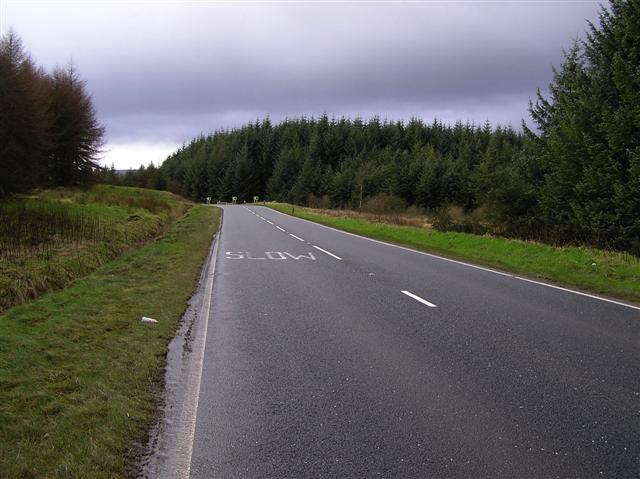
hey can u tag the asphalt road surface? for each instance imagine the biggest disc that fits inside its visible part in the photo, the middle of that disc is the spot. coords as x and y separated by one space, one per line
330 355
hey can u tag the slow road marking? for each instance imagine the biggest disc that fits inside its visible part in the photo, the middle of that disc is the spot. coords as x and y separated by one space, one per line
418 298
268 255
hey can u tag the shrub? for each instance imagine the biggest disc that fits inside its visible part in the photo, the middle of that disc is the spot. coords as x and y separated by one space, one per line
322 202
384 204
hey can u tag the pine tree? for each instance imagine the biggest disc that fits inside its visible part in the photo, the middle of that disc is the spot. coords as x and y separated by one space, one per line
285 172
308 182
24 123
77 135
589 134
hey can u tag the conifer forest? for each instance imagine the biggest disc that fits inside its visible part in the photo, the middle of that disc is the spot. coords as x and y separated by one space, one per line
571 174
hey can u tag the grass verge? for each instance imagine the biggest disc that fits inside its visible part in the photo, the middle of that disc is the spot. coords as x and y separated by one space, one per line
78 369
51 238
607 272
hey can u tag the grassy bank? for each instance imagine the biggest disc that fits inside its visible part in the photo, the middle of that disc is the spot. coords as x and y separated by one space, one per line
53 237
78 369
606 272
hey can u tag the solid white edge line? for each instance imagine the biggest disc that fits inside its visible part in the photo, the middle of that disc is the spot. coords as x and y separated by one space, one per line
281 229
489 270
326 252
418 298
181 467
296 237
577 292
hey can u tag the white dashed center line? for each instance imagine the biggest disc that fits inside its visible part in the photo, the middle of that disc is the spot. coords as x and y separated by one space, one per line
316 247
418 298
326 252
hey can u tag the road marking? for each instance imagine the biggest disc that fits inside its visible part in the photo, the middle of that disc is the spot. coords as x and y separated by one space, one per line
418 298
576 292
431 255
300 256
296 237
272 255
489 270
269 222
281 229
326 252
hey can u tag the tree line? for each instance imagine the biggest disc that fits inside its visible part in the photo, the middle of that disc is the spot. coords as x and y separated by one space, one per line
49 134
335 162
574 178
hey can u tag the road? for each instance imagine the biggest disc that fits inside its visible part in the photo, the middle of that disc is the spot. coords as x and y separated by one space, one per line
330 355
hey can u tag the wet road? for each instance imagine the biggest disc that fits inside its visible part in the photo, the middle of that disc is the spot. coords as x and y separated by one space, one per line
329 355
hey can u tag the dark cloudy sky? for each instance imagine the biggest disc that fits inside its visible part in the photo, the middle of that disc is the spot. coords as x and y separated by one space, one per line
161 72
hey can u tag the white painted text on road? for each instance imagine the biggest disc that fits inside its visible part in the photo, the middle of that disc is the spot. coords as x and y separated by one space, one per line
268 255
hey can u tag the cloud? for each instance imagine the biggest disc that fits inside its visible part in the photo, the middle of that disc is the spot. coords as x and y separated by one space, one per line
130 155
164 72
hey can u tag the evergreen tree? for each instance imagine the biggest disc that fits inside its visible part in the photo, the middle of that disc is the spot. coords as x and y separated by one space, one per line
285 172
76 134
24 123
590 135
307 181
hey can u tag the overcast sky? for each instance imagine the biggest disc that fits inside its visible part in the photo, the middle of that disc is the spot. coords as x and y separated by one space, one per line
162 72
